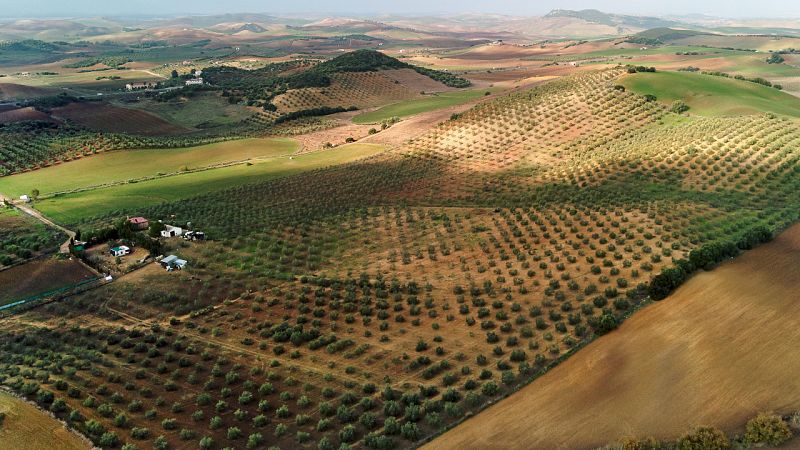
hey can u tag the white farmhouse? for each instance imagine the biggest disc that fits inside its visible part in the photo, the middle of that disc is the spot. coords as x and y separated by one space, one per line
170 231
194 81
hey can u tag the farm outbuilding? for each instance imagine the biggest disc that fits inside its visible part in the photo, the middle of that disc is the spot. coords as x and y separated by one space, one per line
172 262
170 231
120 251
139 223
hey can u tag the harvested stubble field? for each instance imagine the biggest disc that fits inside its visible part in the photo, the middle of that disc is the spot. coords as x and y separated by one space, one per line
715 353
27 428
375 302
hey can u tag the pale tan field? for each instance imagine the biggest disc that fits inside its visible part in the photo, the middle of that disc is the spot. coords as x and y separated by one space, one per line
716 352
26 428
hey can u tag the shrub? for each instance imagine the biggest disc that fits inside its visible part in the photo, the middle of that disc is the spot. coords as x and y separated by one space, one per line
767 428
704 438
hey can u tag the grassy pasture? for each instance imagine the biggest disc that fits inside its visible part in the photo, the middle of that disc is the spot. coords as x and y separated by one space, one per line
691 359
714 96
125 165
416 106
27 428
74 207
204 110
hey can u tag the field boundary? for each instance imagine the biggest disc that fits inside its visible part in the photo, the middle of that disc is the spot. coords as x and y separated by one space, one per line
81 436
519 386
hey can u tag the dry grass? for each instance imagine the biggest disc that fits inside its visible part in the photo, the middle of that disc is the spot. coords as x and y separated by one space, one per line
714 353
27 428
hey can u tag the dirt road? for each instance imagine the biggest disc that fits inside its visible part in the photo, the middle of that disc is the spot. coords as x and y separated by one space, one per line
24 207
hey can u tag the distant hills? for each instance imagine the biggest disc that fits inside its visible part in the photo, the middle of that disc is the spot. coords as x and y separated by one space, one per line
595 16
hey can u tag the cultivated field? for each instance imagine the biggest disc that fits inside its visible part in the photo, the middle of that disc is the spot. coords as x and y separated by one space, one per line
111 119
715 353
40 276
421 105
446 272
120 166
72 208
22 237
27 428
710 95
370 282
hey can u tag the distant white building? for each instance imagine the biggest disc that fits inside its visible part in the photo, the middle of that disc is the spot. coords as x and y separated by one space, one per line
25 198
139 86
198 73
194 81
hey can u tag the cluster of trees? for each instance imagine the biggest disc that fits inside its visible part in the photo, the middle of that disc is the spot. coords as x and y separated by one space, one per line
704 257
321 111
635 69
775 58
261 86
757 80
110 61
766 429
122 230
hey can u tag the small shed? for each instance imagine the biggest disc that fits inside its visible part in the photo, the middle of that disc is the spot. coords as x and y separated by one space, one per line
25 198
120 251
139 223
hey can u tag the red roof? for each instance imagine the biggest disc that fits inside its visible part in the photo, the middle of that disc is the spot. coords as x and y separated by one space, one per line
137 220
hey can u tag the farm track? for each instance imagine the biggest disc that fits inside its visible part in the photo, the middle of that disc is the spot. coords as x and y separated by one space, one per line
40 217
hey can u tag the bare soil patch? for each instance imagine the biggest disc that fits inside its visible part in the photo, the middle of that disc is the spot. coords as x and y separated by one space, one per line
23 114
40 276
113 119
12 91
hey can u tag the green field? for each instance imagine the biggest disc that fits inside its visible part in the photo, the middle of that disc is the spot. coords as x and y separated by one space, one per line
712 95
74 207
130 164
203 110
416 106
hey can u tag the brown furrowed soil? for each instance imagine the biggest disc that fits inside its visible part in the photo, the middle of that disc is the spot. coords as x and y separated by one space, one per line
716 352
113 119
23 114
40 276
26 428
